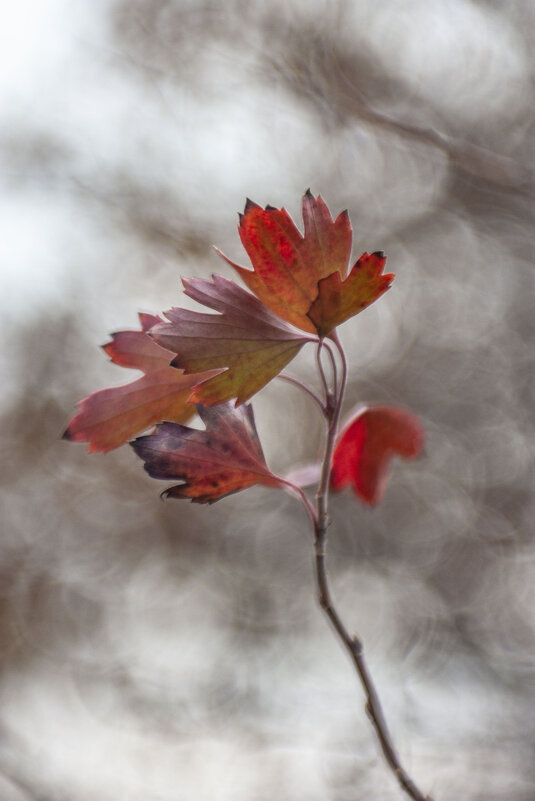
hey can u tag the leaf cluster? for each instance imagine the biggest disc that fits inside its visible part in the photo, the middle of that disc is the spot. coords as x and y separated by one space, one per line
300 288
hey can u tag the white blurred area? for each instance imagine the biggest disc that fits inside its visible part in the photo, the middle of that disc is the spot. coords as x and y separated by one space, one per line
157 652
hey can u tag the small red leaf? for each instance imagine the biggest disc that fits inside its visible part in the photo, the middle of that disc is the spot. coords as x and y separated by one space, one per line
137 350
224 458
366 445
111 417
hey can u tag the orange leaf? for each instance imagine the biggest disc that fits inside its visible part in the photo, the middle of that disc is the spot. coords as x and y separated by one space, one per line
110 417
287 265
366 445
224 458
339 300
301 276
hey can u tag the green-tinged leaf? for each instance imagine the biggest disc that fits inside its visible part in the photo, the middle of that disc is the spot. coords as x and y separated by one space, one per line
245 338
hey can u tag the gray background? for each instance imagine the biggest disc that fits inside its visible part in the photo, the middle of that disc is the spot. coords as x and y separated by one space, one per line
162 651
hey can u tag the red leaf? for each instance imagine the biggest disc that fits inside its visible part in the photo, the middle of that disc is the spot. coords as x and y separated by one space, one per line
367 443
245 338
301 277
225 458
110 417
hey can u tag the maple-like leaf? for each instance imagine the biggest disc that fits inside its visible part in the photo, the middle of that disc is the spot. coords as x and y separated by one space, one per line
224 458
367 443
246 342
110 417
302 277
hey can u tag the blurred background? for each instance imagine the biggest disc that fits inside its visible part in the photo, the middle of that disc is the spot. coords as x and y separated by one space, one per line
157 651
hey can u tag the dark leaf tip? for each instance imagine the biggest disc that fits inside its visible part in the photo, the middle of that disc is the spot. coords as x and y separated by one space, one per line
249 204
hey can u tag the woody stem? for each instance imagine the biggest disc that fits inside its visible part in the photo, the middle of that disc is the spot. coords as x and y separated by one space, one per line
352 643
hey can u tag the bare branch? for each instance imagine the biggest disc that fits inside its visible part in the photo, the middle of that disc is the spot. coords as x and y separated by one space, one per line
352 643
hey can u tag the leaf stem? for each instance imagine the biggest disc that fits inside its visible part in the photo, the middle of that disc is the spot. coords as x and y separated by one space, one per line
297 383
334 367
352 643
327 392
300 493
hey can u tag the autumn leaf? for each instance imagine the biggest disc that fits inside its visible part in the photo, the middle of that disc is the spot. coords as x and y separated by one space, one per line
110 417
300 277
224 458
245 338
339 300
366 445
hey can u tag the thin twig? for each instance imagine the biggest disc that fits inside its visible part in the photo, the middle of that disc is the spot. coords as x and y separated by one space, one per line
351 643
332 415
354 646
296 490
327 392
334 367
